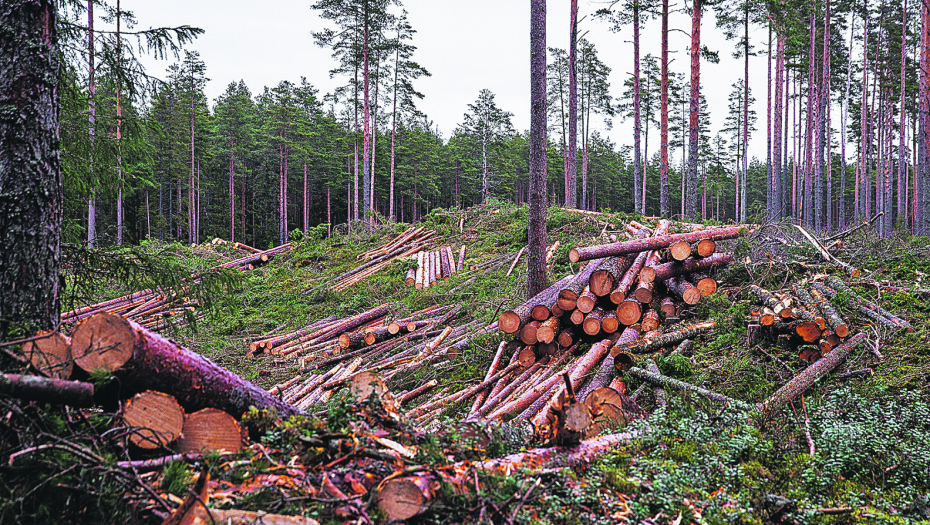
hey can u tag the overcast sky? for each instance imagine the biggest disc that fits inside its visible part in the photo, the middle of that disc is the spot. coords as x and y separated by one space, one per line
467 45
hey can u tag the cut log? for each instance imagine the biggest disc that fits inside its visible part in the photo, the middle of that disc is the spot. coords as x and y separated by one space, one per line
411 276
461 264
807 330
674 269
840 286
157 363
566 338
158 419
402 498
50 354
679 250
601 378
856 302
494 367
210 429
418 391
801 382
418 283
529 398
605 279
705 284
586 301
652 243
766 298
515 261
527 357
683 289
592 321
618 294
576 317
351 340
668 307
529 333
807 301
654 344
444 268
37 388
644 293
548 330
610 323
512 320
766 316
630 311
836 322
650 320
705 247
570 292
103 341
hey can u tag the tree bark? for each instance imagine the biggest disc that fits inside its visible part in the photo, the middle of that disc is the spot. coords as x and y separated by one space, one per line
30 166
663 133
691 206
536 224
653 243
36 388
571 158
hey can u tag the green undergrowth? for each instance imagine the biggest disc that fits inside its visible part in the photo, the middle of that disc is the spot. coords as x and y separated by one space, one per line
698 458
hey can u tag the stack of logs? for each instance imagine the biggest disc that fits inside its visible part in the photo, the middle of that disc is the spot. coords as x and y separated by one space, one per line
434 266
152 308
807 322
405 245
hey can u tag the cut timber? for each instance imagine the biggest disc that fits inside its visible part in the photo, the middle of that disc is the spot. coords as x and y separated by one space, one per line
705 284
160 364
768 299
529 333
461 264
209 429
605 279
103 341
610 323
807 330
451 256
682 288
856 302
363 384
512 320
630 311
652 243
568 295
840 286
411 276
351 339
680 250
644 293
527 357
592 321
602 376
515 261
402 498
158 419
576 317
548 330
418 283
418 391
495 365
705 247
586 301
444 265
809 306
653 344
668 382
833 317
668 307
650 320
37 388
566 338
805 379
50 354
618 294
662 272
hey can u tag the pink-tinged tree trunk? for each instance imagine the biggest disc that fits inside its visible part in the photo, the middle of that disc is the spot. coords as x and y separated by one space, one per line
844 112
306 202
536 234
812 98
119 135
394 129
769 187
691 208
889 176
232 193
92 117
663 139
571 162
777 158
744 203
922 173
902 152
366 170
824 122
638 191
861 188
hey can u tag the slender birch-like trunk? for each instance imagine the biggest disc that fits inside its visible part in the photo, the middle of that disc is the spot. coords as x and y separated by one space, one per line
571 165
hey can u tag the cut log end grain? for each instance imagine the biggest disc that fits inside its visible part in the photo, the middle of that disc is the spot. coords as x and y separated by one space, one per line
650 321
102 341
629 312
647 274
706 285
566 300
210 429
577 317
680 250
529 333
540 312
363 384
766 317
509 322
644 293
566 338
586 301
592 324
51 355
601 283
401 499
705 247
158 419
573 255
610 323
808 331
668 307
527 357
548 330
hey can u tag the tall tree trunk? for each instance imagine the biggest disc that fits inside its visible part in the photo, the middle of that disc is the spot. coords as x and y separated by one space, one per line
638 191
691 208
663 155
366 169
536 234
571 164
119 135
306 202
743 200
777 158
232 193
902 153
862 209
922 173
844 111
393 130
92 200
812 99
30 167
824 122
769 187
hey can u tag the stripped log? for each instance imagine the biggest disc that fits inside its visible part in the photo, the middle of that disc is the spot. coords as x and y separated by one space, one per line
512 320
667 270
653 344
418 283
515 261
404 497
652 243
668 382
801 382
461 264
157 363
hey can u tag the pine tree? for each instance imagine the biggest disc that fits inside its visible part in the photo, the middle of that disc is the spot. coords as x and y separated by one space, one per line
536 226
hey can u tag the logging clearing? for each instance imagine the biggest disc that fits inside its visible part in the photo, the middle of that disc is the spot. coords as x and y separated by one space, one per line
402 370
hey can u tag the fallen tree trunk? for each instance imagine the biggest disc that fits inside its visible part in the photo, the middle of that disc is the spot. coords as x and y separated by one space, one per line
604 280
654 344
568 295
618 294
668 270
58 391
840 286
666 382
811 374
652 243
404 497
158 363
512 320
864 307
839 326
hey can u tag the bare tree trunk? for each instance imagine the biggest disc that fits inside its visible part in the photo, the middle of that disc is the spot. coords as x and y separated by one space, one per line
232 193
691 208
306 202
536 260
902 153
769 186
638 191
843 113
663 139
777 158
571 164
393 132
366 169
862 208
921 174
743 200
824 124
92 200
809 137
119 136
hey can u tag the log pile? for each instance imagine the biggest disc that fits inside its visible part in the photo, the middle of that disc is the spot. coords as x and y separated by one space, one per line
406 245
435 266
153 308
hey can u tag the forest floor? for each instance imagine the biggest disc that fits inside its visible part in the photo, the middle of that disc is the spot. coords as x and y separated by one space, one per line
866 460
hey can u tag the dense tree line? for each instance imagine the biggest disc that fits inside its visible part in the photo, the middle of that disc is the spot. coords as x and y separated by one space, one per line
844 125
